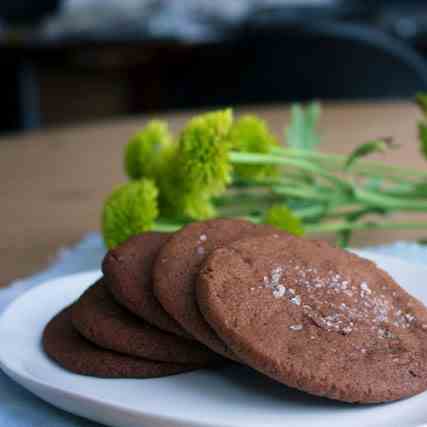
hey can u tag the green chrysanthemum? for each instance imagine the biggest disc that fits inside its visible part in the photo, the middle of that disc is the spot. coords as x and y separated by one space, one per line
184 206
143 153
174 202
198 208
203 154
251 135
197 168
129 210
284 218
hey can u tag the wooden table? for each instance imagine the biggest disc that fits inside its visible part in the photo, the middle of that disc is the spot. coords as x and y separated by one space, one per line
53 183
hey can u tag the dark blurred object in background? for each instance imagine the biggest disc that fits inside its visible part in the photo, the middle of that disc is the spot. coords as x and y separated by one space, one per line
26 11
407 20
82 60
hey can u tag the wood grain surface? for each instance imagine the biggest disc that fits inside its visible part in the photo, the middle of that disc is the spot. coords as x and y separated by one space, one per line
53 183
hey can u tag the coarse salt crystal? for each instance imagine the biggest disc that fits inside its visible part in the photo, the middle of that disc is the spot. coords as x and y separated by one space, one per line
364 290
295 327
347 329
409 317
279 291
296 300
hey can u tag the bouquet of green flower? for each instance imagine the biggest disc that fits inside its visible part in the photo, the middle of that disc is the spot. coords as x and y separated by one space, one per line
221 167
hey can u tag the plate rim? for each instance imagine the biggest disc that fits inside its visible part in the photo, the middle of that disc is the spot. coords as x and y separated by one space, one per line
19 375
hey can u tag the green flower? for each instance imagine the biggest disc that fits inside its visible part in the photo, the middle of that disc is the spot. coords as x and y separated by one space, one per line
284 218
183 206
202 162
129 210
197 168
251 135
144 152
198 208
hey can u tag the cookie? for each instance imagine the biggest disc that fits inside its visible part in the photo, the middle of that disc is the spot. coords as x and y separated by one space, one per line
105 323
63 344
316 318
127 270
177 265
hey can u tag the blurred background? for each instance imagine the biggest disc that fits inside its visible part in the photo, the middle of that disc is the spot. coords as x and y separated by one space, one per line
71 61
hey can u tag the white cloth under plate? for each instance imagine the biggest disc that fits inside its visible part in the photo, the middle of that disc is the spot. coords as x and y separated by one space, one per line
18 407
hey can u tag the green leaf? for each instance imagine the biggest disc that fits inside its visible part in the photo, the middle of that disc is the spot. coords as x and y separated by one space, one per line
422 126
301 132
421 100
420 189
282 217
343 238
422 132
370 147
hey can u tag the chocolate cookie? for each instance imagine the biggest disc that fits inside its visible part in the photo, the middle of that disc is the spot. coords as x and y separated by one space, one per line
68 348
316 318
105 323
127 270
177 265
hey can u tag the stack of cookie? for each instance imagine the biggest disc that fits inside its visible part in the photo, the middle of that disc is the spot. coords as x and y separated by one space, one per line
307 314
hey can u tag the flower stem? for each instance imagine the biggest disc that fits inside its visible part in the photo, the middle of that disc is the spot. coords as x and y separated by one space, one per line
305 193
387 202
348 225
258 159
309 211
372 168
167 226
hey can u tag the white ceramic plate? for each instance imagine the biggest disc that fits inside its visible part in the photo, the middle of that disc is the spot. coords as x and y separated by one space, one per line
231 396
